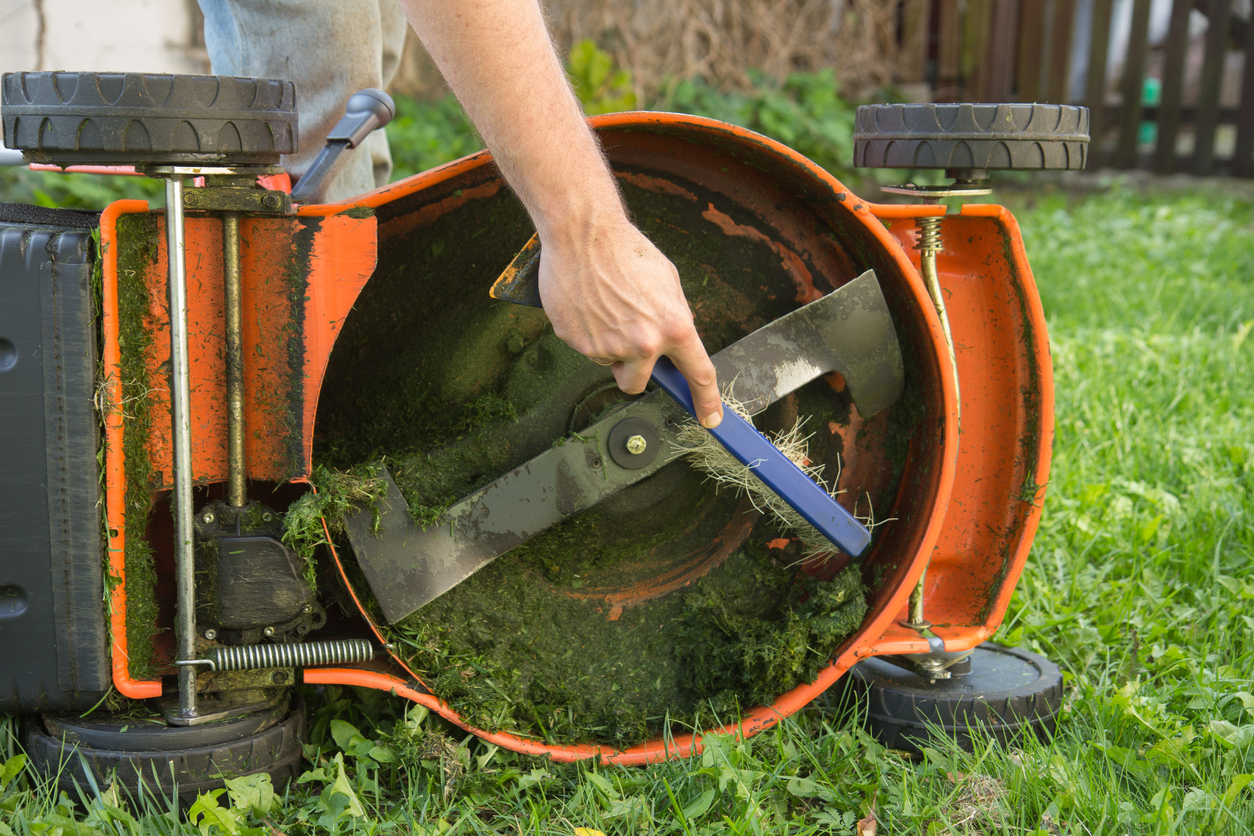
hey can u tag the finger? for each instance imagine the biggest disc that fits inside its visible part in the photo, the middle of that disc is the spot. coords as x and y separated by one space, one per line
632 376
694 364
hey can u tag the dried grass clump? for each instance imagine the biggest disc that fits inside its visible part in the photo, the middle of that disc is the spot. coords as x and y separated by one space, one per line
980 804
708 455
663 41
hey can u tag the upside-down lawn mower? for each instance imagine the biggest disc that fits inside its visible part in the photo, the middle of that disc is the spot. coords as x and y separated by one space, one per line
251 443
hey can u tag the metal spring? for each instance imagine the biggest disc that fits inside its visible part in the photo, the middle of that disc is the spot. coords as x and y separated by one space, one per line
929 234
307 654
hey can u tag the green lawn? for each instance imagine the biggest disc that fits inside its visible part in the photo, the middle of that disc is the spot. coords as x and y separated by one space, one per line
1139 586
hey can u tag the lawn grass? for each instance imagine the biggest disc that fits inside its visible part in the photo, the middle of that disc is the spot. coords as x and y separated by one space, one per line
1139 586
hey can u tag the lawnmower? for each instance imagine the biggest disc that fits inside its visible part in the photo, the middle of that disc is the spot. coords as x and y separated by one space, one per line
252 443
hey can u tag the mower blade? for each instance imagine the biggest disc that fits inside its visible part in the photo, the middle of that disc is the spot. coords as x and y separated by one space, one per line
407 566
860 339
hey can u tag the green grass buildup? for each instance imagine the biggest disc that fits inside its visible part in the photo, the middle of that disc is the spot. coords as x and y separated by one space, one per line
511 650
137 251
453 389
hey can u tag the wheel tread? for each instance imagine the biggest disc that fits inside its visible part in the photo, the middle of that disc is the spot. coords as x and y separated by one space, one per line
276 750
979 136
138 118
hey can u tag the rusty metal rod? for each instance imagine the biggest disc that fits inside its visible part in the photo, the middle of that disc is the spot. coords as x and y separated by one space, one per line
928 245
236 471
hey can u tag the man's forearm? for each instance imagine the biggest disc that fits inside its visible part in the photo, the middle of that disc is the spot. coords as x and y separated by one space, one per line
497 58
608 291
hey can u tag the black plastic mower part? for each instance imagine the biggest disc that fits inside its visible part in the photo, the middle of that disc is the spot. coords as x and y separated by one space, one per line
24 213
258 582
366 111
67 118
52 619
1006 691
634 443
980 137
166 760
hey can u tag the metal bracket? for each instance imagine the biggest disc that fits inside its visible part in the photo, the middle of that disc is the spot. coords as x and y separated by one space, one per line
213 198
175 716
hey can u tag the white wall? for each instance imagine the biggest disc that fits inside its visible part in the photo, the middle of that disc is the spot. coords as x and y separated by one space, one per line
158 36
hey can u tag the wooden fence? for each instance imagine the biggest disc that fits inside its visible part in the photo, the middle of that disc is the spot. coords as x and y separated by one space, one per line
1169 82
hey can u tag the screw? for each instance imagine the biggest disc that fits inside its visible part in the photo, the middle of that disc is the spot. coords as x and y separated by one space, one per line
637 445
270 201
269 632
211 634
279 677
207 517
307 609
266 517
190 199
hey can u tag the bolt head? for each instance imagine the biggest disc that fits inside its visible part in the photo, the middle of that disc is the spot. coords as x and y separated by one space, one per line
269 632
270 201
207 517
190 199
211 634
307 609
637 445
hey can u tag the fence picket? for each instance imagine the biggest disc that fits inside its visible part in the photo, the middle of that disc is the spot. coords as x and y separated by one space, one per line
1133 73
1169 108
1242 165
1208 91
1095 86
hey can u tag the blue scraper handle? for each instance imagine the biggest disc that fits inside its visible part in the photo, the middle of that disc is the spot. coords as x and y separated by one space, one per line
776 470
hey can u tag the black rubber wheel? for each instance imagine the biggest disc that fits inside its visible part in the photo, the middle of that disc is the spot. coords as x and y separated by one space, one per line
1009 692
194 759
1029 137
135 118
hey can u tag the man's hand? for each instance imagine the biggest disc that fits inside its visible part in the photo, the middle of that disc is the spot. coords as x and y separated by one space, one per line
608 291
612 296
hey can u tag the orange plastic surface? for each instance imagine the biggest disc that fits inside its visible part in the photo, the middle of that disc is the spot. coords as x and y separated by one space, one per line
636 136
972 514
301 275
1006 382
115 465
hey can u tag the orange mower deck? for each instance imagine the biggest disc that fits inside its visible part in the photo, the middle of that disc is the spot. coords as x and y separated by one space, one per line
965 507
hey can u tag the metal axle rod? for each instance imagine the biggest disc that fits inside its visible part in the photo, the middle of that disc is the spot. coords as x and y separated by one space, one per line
181 444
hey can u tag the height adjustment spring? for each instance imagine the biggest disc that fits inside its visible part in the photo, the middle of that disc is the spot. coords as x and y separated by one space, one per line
303 655
929 234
